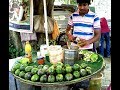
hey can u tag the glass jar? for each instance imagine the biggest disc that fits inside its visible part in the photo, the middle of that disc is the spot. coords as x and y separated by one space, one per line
40 60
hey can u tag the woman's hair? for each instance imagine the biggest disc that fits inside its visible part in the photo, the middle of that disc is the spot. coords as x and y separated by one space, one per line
84 1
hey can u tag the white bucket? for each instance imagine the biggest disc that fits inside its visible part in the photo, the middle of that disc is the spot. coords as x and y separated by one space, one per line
43 50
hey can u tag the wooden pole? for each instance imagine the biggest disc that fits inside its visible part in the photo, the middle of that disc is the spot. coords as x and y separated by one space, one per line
45 23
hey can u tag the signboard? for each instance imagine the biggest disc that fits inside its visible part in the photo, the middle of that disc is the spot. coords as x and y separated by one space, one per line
21 15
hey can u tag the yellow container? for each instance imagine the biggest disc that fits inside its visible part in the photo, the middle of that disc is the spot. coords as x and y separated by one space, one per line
28 50
95 82
28 47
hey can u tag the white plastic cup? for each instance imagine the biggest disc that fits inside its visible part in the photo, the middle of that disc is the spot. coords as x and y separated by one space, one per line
38 54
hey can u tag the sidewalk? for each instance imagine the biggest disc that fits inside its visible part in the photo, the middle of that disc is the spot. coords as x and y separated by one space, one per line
106 74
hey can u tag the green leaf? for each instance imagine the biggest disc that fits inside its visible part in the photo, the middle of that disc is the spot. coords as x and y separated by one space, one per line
14 50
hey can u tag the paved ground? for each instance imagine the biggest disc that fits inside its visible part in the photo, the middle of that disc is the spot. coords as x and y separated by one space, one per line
106 74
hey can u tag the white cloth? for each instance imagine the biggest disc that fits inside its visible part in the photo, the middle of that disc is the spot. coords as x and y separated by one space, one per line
12 62
28 36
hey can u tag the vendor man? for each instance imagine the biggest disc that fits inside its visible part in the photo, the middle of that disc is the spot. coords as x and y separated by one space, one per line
85 24
86 27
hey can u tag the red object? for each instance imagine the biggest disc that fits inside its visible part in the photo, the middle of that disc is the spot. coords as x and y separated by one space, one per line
109 87
104 25
40 60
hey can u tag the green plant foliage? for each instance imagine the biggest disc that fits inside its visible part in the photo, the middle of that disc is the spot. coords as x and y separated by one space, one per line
13 52
73 2
52 42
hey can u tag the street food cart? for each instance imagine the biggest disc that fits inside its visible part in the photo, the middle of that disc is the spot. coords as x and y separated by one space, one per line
97 67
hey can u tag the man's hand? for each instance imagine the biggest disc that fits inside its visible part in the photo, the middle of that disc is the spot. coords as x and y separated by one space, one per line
71 37
83 42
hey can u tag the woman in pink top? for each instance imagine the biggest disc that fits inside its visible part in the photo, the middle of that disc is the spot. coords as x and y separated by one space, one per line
105 36
109 87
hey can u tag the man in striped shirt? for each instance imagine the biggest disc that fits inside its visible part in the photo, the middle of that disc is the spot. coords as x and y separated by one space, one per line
85 24
86 27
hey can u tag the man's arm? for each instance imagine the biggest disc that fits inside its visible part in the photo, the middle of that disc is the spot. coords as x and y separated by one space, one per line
97 32
96 36
68 29
69 35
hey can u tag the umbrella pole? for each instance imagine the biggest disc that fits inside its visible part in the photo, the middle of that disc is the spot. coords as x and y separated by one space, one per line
45 23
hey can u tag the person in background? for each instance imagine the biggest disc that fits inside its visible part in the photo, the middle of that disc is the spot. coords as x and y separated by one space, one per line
105 36
20 13
86 27
15 12
109 87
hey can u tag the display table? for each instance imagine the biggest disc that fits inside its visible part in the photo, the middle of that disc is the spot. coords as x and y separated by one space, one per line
15 84
96 66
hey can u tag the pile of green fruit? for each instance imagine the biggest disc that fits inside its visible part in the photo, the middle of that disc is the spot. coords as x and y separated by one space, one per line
50 74
88 55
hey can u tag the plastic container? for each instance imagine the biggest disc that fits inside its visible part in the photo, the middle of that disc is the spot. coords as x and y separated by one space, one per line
28 50
55 54
27 47
43 50
95 82
29 56
40 60
38 54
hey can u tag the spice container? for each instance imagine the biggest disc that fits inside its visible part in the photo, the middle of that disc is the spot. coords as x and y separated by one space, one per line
40 60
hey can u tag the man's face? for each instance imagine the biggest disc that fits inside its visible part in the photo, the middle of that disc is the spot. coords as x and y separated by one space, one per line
83 8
